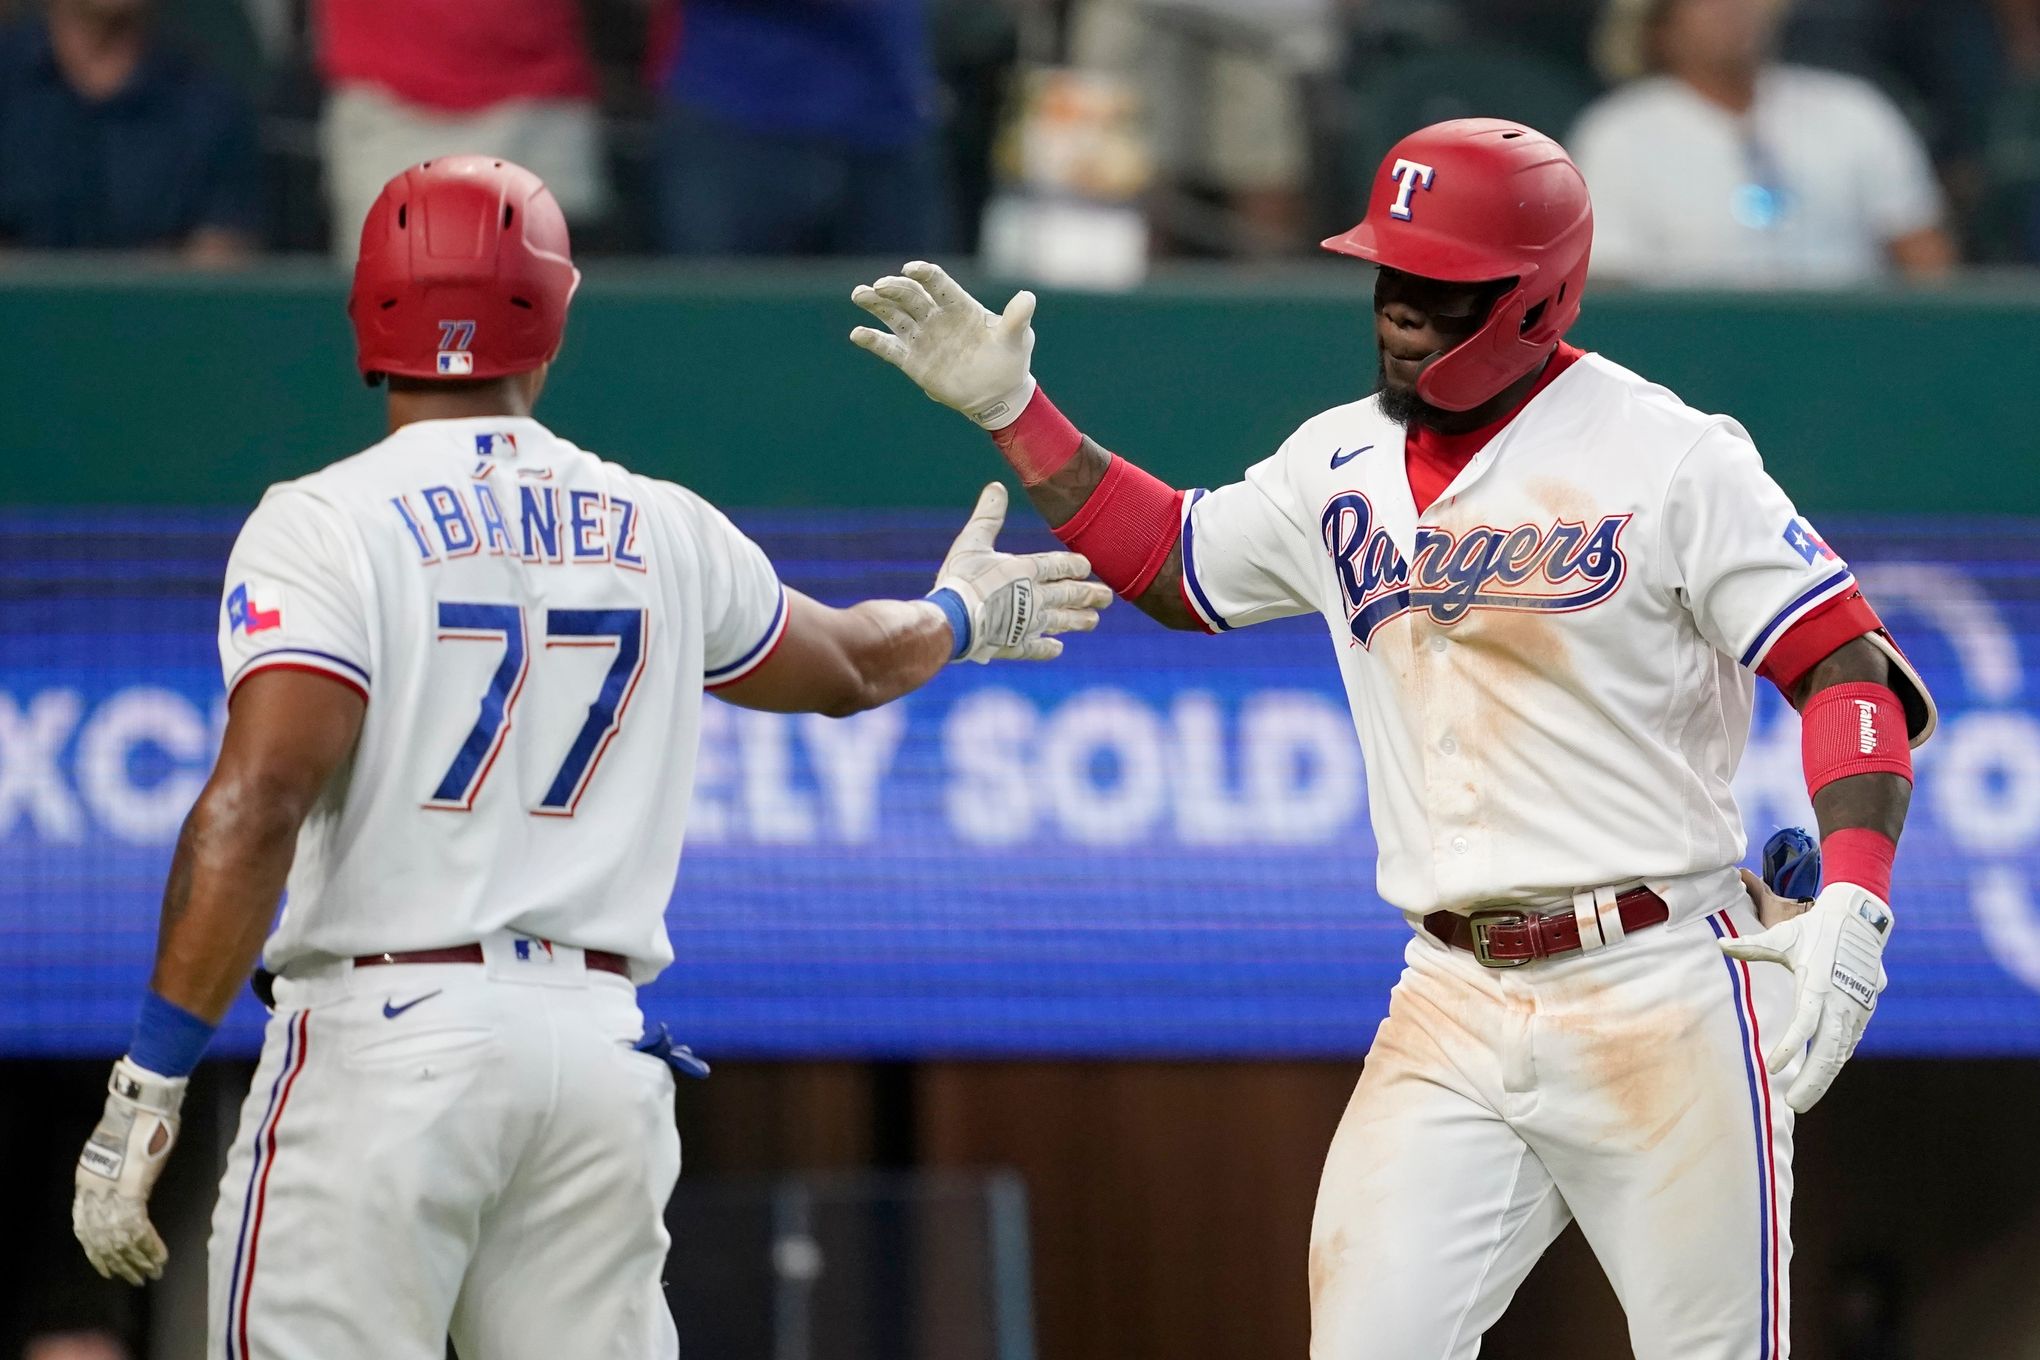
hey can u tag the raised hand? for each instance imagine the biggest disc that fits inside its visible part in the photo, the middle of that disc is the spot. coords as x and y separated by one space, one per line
962 354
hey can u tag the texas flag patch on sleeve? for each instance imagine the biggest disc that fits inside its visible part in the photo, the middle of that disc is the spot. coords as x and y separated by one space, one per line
254 607
1808 544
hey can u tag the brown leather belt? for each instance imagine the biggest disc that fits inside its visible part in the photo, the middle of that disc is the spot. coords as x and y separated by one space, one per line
1506 938
601 960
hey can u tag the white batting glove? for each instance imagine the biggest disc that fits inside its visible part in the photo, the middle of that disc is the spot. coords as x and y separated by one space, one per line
118 1169
1017 602
1836 953
962 354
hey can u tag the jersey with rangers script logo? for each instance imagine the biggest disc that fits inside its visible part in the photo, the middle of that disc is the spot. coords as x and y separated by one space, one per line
1551 669
533 629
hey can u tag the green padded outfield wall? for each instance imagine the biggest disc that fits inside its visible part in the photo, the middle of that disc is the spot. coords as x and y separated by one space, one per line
130 388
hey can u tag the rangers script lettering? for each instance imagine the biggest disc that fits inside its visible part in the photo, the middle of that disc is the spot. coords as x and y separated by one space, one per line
1483 568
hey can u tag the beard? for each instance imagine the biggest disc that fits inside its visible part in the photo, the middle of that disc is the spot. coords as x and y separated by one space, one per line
1401 405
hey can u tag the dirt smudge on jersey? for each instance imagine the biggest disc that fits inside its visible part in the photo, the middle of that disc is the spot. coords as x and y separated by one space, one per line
1504 664
1563 500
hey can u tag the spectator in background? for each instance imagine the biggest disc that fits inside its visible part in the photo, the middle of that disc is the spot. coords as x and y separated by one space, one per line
414 79
111 141
2013 155
1722 167
801 127
93 1345
1222 82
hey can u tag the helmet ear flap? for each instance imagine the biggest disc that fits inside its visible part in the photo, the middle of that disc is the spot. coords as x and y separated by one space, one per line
1481 365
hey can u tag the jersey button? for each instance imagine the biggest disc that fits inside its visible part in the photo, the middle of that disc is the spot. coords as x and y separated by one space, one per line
1438 643
1449 746
1459 845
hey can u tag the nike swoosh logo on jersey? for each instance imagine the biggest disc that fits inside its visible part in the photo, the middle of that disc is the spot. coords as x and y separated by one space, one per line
392 1012
1340 459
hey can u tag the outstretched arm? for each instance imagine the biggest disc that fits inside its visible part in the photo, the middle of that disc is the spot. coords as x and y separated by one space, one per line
977 362
1068 489
986 605
843 661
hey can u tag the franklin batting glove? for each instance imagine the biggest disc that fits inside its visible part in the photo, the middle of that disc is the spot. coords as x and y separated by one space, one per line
118 1169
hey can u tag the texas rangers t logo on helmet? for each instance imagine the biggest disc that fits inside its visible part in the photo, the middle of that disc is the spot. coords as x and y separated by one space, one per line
1409 177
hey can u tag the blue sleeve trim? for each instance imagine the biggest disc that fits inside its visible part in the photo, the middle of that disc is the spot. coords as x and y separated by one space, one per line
284 652
1197 595
716 675
951 605
169 1040
1783 616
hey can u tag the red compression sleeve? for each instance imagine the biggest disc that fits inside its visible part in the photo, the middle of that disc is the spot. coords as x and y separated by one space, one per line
1850 729
1858 855
1127 528
1040 441
1847 730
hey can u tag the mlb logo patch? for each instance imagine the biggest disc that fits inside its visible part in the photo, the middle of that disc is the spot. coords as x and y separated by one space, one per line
253 607
496 446
455 363
1810 546
534 951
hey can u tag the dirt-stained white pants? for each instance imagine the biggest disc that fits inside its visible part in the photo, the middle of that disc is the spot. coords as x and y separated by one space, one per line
1625 1089
472 1150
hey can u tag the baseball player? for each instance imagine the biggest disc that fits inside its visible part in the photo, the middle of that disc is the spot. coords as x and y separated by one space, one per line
1550 585
465 673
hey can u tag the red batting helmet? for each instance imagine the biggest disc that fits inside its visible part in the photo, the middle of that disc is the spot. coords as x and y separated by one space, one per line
464 272
1476 200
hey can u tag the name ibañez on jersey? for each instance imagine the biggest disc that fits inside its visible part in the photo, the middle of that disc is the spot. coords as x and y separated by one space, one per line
524 515
1554 568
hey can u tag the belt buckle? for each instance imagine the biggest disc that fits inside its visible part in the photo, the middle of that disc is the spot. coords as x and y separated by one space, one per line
1481 921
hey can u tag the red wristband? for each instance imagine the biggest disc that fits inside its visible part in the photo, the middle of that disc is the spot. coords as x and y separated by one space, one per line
1858 855
1126 528
1853 729
1040 441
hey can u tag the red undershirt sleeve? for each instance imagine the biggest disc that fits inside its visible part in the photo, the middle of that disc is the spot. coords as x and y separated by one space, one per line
1814 638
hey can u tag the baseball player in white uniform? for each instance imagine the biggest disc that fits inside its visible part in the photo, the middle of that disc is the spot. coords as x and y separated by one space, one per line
465 673
1550 585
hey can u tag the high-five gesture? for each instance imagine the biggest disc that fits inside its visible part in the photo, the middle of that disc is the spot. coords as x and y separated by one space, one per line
1016 603
961 353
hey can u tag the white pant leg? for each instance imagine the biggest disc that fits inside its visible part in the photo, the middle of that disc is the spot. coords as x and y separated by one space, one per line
570 1256
369 1144
1432 1209
367 135
1667 1137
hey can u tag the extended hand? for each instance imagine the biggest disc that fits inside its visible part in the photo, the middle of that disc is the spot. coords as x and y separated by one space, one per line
961 354
1017 602
118 1169
1835 951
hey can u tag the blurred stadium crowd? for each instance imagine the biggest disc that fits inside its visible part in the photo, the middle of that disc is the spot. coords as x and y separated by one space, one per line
1727 141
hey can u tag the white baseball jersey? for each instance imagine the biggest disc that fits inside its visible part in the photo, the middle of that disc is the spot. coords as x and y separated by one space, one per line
533 628
1551 669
